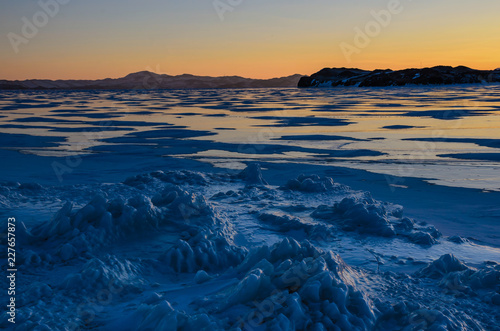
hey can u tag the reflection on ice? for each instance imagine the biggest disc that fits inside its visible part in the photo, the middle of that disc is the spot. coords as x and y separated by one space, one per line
416 125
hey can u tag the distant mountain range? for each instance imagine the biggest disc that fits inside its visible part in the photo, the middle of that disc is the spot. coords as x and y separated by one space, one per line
327 77
440 75
150 80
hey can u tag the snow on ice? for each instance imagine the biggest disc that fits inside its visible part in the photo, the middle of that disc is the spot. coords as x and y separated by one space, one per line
181 250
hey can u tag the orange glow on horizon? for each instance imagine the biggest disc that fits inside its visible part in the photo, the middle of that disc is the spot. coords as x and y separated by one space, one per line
269 70
255 41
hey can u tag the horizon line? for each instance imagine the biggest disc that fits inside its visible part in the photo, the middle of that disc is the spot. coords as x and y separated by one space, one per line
239 76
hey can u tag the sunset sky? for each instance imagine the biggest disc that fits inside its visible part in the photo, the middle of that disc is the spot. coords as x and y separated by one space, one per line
91 39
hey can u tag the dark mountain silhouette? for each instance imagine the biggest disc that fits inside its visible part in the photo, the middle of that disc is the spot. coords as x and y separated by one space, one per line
440 75
150 80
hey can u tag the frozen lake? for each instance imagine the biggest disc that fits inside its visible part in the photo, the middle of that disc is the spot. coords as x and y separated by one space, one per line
446 135
148 210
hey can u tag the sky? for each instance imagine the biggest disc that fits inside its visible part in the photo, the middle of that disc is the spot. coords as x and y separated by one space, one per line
94 39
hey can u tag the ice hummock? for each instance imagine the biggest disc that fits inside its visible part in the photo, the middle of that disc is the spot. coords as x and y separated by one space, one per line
294 286
252 175
363 214
202 252
155 253
312 184
458 279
